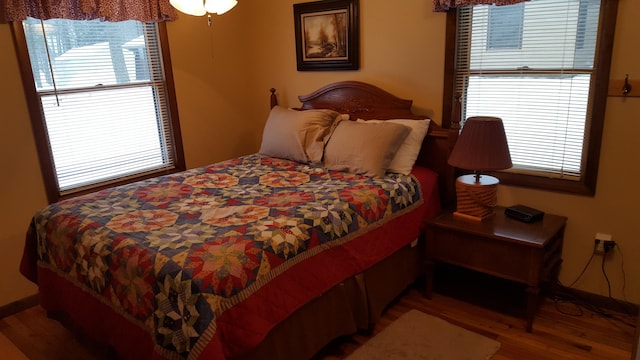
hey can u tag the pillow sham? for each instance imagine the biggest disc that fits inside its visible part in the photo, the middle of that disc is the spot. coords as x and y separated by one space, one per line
408 152
297 135
364 148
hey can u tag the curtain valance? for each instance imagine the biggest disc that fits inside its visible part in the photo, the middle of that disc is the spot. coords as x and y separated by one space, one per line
108 10
445 5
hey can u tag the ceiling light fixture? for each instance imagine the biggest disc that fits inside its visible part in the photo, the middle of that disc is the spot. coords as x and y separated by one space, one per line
201 8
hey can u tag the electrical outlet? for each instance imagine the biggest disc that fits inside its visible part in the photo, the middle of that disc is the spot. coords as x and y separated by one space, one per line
598 247
603 243
608 245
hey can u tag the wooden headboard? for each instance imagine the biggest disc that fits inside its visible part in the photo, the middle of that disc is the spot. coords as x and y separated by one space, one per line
365 101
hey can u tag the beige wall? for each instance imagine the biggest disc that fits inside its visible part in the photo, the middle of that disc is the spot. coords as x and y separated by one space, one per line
223 75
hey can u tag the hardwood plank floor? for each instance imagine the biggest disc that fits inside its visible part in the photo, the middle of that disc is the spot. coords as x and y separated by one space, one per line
555 335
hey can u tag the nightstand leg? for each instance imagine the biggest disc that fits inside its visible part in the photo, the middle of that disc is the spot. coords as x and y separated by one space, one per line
533 296
428 288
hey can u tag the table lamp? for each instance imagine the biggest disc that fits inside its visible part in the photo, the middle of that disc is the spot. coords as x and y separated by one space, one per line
482 146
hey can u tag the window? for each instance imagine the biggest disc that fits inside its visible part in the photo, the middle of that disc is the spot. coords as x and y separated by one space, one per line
101 103
505 27
550 90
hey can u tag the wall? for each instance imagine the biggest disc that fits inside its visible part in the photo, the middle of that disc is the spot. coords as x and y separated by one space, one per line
402 50
223 75
614 209
21 187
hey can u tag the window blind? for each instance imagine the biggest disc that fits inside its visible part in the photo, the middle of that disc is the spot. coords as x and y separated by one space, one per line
102 90
541 88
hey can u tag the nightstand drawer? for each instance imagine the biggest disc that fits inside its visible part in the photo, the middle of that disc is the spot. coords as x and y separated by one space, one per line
493 257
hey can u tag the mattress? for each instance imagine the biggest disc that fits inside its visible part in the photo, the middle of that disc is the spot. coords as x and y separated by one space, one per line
205 263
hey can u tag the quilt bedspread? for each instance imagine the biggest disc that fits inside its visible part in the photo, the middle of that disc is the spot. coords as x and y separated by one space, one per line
173 253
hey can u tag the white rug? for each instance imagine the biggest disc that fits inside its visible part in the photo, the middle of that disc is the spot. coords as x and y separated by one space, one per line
416 335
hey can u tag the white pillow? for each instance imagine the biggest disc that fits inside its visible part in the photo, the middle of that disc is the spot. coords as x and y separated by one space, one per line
406 156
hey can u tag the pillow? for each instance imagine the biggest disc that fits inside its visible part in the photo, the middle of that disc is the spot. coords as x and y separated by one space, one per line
406 156
363 148
296 135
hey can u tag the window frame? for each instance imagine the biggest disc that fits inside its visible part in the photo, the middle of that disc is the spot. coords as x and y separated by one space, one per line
595 112
41 137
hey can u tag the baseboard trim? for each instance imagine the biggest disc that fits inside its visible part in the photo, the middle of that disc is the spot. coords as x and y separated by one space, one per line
19 305
600 301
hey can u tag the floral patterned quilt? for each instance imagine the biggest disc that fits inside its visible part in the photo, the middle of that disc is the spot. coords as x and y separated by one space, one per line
176 252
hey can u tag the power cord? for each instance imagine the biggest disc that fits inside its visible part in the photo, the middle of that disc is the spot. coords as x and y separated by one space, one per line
581 303
624 275
593 253
620 304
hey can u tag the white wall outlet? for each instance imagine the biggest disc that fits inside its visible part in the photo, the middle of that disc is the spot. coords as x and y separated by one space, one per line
603 243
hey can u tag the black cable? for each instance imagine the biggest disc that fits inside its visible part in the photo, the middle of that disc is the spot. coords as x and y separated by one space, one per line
580 303
620 304
593 253
624 275
606 277
557 301
634 311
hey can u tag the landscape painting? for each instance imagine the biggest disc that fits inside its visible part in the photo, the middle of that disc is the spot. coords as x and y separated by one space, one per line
327 35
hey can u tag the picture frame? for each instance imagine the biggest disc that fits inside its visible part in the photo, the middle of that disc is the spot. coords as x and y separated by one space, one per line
327 35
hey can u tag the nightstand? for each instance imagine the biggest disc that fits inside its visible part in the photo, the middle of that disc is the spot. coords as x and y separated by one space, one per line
527 253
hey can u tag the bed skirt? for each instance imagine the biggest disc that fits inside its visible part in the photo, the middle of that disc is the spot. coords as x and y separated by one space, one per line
353 305
327 317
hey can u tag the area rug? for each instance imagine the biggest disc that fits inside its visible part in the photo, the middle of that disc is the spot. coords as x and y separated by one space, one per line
416 335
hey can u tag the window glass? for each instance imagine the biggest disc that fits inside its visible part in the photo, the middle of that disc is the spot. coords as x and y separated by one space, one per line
102 92
505 27
533 64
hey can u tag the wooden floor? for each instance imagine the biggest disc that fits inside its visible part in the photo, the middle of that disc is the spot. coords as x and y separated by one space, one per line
555 335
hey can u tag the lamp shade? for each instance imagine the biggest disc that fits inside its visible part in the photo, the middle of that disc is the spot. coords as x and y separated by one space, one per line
481 146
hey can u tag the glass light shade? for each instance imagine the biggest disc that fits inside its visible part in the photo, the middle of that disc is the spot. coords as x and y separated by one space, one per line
219 6
189 7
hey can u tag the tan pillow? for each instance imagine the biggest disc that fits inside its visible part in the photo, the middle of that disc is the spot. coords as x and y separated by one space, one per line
296 135
408 152
364 148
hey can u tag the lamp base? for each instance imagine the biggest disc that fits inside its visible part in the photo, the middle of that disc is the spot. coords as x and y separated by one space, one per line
476 200
471 217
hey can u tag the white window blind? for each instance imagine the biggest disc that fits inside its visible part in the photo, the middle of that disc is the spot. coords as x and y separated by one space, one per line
102 90
540 89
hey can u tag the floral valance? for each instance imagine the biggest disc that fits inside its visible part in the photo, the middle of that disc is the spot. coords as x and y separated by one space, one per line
108 10
445 5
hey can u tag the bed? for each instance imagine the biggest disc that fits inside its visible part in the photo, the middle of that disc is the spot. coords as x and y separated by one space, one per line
266 256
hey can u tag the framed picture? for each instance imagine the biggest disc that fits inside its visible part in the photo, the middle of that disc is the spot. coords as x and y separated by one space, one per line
327 36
